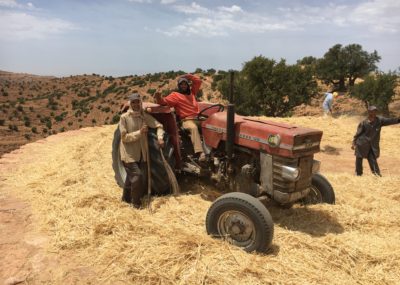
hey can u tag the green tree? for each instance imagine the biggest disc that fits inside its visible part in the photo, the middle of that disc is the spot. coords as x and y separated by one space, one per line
378 89
210 71
267 87
307 60
359 62
349 62
332 67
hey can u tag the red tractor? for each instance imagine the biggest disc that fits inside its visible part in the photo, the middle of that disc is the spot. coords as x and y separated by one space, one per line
254 159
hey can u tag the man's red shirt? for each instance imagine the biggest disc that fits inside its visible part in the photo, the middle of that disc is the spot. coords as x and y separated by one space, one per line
186 106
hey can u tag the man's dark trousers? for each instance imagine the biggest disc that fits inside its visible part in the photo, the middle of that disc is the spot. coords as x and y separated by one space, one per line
134 188
373 164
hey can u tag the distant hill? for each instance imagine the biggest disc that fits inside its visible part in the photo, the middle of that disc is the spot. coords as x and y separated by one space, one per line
33 107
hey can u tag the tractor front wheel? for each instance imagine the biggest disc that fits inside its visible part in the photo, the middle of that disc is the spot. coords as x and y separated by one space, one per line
242 220
321 191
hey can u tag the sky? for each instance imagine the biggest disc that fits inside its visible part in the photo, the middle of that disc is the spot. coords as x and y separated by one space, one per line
127 37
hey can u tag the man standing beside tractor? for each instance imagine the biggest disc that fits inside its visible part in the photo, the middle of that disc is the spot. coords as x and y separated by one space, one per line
366 140
133 126
186 107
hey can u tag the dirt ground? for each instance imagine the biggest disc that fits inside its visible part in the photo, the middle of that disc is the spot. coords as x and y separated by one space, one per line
28 254
25 257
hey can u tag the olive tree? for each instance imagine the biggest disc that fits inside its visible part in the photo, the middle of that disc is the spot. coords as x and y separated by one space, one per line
378 89
267 87
350 62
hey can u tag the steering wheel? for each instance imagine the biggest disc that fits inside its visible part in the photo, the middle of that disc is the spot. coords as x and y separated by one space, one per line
201 116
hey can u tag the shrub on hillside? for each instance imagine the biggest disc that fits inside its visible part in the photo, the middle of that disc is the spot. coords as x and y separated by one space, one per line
109 89
106 109
378 90
165 92
83 93
13 128
61 117
115 119
151 91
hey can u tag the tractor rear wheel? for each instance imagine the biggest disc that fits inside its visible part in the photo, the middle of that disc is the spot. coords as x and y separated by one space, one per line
321 191
118 167
242 220
160 183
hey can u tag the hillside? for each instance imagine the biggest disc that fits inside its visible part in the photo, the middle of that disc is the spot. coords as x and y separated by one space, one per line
33 107
63 223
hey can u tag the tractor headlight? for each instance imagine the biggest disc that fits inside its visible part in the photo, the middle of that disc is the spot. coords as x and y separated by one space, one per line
290 173
274 140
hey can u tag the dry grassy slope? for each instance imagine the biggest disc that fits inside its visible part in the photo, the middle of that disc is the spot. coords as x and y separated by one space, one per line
75 200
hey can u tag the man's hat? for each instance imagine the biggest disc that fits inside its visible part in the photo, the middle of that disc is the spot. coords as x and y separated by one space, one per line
134 96
372 108
183 79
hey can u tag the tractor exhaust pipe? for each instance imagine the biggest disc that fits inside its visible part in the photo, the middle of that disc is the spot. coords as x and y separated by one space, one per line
230 122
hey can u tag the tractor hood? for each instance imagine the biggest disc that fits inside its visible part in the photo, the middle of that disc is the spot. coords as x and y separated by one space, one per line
272 137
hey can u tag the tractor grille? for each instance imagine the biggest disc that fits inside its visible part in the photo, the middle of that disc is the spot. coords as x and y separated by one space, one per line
307 143
285 186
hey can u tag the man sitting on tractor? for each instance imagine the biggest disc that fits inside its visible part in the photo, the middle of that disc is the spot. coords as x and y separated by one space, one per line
186 108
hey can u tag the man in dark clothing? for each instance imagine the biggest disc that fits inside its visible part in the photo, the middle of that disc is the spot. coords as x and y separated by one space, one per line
366 140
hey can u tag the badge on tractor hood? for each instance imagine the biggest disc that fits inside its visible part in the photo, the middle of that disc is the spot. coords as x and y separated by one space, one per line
308 143
274 140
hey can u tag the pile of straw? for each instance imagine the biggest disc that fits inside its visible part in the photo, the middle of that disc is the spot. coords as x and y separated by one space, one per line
69 182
